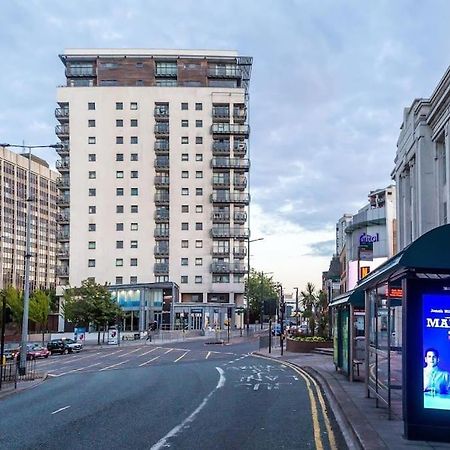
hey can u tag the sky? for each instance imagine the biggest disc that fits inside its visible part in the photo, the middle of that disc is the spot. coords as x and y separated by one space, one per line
329 82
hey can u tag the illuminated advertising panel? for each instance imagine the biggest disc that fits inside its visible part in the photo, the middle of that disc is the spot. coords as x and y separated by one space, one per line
436 350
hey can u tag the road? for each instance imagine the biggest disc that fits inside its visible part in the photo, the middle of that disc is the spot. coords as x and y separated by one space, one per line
184 396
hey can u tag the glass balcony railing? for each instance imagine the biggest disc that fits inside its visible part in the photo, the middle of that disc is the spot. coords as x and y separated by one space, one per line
230 163
80 71
161 268
162 162
230 197
239 233
220 251
161 129
226 71
63 182
240 217
221 216
62 114
63 235
161 233
62 130
63 200
161 215
239 252
230 128
162 181
62 164
62 271
161 250
162 198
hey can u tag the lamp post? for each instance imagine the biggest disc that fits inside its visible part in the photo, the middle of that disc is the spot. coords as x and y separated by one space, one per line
247 313
261 299
296 306
26 290
282 309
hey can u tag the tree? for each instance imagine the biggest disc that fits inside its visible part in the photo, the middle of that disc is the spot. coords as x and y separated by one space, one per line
259 287
321 313
14 300
91 303
308 300
39 310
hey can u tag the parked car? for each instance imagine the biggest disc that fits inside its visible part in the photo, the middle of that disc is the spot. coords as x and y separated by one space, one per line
58 346
74 346
37 351
11 350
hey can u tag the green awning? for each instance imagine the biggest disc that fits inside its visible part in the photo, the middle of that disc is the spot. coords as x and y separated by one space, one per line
354 297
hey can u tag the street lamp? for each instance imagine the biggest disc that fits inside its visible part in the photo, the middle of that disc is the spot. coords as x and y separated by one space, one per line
26 290
296 306
261 299
248 281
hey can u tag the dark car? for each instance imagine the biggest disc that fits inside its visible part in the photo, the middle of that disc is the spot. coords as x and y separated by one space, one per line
58 346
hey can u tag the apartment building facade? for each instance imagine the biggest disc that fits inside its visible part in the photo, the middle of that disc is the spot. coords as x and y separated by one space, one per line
154 169
14 181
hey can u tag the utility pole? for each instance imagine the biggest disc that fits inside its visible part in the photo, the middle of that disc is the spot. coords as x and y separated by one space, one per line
296 307
282 308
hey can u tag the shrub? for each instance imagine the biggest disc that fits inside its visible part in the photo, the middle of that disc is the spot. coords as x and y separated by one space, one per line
309 338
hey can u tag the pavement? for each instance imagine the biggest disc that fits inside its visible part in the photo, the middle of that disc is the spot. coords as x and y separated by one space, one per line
363 424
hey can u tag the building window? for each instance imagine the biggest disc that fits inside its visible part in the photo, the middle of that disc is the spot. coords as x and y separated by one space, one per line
198 226
221 279
134 226
91 106
91 123
92 227
119 192
134 191
133 244
119 174
184 226
198 106
133 140
91 140
119 209
184 208
134 208
184 261
92 209
119 262
119 226
133 262
91 262
119 105
199 140
198 191
133 105
119 280
184 191
184 279
92 174
185 139
91 245
184 106
185 123
198 279
199 157
119 123
199 174
133 123
133 280
119 244
198 243
198 261
134 157
119 156
92 157
184 174
198 123
184 243
119 139
199 208
139 65
184 157
92 192
134 174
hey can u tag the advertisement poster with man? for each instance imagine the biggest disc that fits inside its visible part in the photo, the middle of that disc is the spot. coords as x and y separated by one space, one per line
436 351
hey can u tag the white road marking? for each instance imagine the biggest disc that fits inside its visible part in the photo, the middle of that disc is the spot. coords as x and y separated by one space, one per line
207 356
168 351
114 365
109 354
77 370
60 409
129 353
174 431
256 387
182 356
149 361
150 351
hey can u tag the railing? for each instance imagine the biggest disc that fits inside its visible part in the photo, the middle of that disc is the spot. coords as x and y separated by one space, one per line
225 267
223 182
161 268
230 163
63 218
162 163
240 182
63 235
63 182
161 111
64 149
63 200
161 129
161 198
166 71
220 216
231 197
220 251
10 371
81 71
62 113
62 253
229 232
221 147
161 147
240 148
161 233
62 271
161 250
230 128
62 130
221 112
62 164
161 215
162 181
224 72
239 252
240 216
239 114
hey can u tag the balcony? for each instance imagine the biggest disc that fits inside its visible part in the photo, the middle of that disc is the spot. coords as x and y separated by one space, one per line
162 198
166 71
239 114
161 250
62 131
161 233
161 268
240 252
62 114
162 181
63 149
220 251
230 197
63 218
62 253
240 217
221 216
230 163
223 182
161 215
220 267
63 183
240 182
238 233
80 71
62 271
224 72
63 235
63 200
239 148
230 128
161 147
162 162
221 113
161 112
161 129
63 165
221 147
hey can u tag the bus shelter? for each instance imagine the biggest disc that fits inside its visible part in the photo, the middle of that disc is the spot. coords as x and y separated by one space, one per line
407 333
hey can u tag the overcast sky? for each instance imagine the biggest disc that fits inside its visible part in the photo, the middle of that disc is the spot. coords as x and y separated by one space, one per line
329 83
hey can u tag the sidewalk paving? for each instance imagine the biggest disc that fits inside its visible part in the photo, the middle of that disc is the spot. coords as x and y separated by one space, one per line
362 423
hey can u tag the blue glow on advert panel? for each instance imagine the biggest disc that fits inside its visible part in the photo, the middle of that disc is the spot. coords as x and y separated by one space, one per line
436 351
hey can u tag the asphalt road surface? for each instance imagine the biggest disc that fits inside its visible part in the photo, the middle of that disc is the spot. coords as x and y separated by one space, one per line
180 396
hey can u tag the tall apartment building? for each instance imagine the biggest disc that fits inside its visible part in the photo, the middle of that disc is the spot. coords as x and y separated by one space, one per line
153 174
13 217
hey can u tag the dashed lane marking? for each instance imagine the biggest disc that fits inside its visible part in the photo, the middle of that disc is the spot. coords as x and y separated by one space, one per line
150 351
114 365
207 355
60 409
182 356
129 353
149 361
78 370
168 351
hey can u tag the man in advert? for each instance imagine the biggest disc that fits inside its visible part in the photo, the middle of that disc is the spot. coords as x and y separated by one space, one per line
435 380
